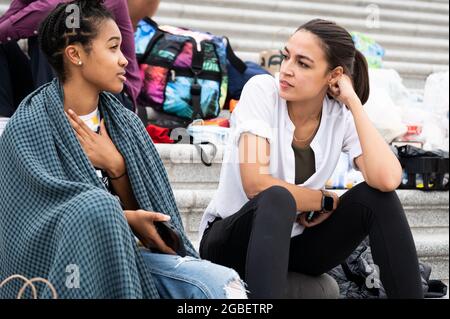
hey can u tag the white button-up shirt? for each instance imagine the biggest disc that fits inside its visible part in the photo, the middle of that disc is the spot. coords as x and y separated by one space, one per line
262 112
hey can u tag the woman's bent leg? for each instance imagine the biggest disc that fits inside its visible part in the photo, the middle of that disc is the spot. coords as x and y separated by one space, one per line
255 242
363 211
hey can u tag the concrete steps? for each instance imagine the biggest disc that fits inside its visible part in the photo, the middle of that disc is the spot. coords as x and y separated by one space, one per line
336 8
397 49
208 10
414 33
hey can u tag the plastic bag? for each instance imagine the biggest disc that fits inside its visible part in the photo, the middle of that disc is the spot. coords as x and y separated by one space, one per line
344 176
435 131
386 89
216 135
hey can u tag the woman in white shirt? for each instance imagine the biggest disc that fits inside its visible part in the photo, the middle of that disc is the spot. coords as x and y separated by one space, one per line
270 213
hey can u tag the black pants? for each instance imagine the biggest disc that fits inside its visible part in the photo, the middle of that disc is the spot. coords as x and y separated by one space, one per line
42 72
256 241
16 80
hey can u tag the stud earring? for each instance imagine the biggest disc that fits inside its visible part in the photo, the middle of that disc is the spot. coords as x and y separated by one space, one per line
80 63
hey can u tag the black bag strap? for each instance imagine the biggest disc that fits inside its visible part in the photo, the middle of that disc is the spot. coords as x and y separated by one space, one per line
142 114
237 63
158 35
207 162
196 93
196 88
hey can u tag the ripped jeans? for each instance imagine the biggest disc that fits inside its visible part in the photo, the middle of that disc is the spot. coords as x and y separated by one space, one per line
191 278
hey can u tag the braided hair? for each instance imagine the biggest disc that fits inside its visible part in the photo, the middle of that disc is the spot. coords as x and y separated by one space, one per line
59 30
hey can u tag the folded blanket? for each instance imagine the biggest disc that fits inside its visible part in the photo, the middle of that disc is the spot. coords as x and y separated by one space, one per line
57 220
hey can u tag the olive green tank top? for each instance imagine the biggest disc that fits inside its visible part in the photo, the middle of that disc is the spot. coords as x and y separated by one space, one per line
305 163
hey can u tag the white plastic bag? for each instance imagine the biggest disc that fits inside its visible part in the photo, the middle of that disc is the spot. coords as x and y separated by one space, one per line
436 93
436 103
216 135
386 91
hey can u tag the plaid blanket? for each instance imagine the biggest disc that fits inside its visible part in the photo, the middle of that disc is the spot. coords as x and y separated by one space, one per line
57 220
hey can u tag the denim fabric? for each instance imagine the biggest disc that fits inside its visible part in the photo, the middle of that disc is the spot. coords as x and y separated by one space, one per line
178 277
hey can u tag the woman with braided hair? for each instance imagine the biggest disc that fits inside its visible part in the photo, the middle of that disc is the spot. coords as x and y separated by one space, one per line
19 75
84 177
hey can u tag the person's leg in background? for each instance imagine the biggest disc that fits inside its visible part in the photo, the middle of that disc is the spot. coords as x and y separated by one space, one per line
363 211
255 242
6 94
191 278
138 9
15 78
40 68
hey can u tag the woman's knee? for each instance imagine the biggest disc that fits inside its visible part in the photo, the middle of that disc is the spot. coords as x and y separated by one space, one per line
217 282
280 200
368 195
189 277
377 204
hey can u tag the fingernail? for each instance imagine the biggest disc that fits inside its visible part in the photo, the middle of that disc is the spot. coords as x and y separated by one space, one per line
70 111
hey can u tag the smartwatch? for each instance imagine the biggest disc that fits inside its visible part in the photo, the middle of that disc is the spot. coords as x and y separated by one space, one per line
327 202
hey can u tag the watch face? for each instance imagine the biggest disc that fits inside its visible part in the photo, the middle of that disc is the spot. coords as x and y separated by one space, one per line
328 203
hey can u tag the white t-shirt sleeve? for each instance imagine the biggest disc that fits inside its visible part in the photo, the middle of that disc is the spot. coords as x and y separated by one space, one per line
351 145
255 110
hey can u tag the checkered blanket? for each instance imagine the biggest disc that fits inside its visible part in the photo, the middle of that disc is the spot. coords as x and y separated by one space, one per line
57 220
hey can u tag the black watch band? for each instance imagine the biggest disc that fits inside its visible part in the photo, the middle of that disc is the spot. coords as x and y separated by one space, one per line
327 202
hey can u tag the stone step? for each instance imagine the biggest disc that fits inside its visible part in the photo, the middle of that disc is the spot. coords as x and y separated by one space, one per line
413 6
209 12
276 35
415 58
185 168
414 33
337 8
432 248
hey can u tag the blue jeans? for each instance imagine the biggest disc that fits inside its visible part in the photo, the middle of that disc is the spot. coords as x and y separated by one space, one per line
191 278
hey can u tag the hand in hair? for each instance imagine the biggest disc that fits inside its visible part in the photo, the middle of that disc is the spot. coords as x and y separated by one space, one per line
99 148
343 90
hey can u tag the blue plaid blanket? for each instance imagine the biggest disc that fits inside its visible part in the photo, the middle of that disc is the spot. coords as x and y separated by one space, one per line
57 220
